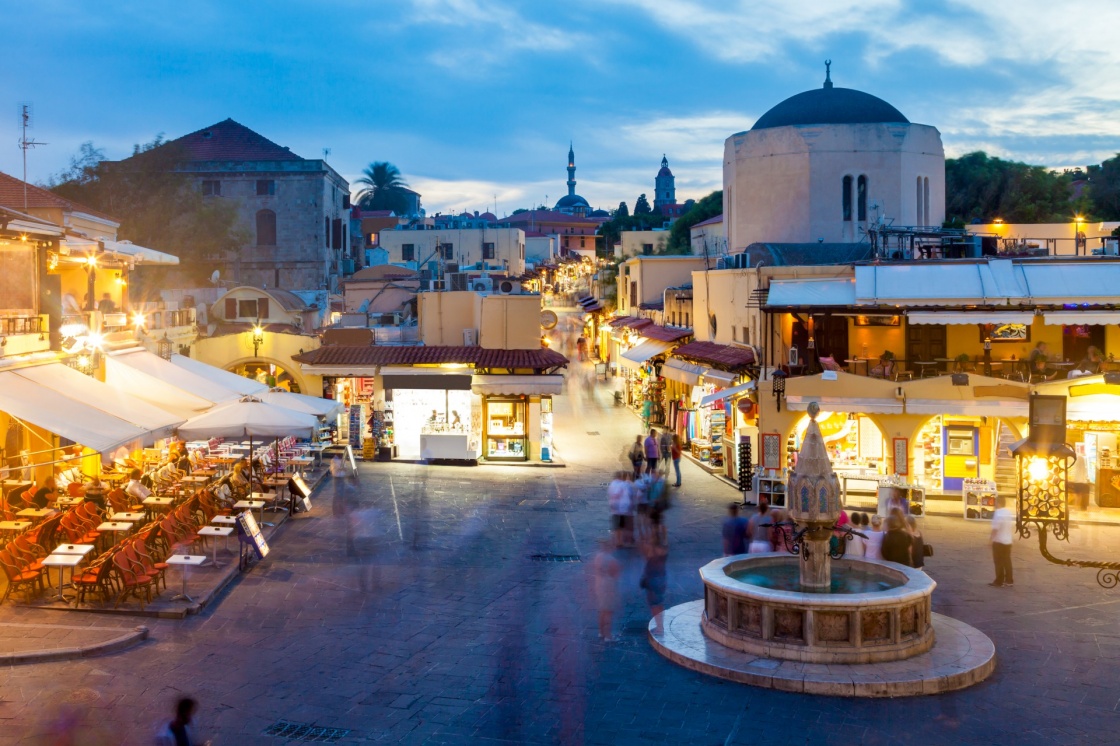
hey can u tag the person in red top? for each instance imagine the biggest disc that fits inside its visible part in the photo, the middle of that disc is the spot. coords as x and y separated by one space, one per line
675 453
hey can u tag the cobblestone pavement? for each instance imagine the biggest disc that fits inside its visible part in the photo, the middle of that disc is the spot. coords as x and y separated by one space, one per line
442 629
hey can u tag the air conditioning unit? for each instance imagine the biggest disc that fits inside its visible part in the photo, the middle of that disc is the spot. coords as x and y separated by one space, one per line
436 285
451 267
458 280
470 338
482 284
509 287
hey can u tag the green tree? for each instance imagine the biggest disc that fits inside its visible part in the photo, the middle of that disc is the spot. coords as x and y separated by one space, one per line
641 207
612 230
623 211
158 206
680 236
1104 189
383 188
981 188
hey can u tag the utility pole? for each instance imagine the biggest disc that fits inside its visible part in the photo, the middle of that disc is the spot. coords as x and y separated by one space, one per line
24 144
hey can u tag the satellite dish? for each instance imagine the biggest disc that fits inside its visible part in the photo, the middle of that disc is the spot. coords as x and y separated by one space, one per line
214 277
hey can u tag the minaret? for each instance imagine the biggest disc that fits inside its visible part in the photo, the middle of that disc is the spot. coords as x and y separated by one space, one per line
571 170
664 187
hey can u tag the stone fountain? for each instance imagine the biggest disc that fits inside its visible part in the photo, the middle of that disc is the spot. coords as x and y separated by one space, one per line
769 619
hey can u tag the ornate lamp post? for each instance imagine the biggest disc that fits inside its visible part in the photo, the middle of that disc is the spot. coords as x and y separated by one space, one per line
258 337
779 380
164 347
1042 503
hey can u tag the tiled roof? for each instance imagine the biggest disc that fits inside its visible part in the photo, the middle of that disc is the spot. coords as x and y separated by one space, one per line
722 356
383 272
11 195
479 357
655 306
710 221
231 141
664 333
629 322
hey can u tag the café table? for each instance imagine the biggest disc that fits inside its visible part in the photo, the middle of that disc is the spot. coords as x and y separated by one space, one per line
14 526
925 368
155 503
79 549
60 561
269 498
214 532
186 561
208 473
317 449
280 485
251 505
195 479
128 517
115 527
853 365
224 520
66 501
35 512
304 461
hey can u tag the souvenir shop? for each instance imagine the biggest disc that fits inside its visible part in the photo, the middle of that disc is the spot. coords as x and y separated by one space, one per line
448 414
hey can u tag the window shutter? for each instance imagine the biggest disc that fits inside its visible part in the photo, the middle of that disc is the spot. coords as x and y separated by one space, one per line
262 308
231 309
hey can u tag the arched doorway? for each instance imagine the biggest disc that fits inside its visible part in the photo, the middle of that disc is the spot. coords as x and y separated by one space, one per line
271 373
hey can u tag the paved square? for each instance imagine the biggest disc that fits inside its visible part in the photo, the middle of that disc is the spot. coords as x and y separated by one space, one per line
441 629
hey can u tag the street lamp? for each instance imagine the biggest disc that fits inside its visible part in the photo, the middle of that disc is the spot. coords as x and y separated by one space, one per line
163 347
779 382
1043 461
258 337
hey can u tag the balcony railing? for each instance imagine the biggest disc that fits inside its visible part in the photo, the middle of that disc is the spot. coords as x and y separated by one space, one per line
22 325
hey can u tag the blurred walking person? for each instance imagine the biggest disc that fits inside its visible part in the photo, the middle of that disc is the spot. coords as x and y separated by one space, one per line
675 454
654 581
1003 526
619 500
758 530
179 732
652 451
637 456
665 445
606 570
734 532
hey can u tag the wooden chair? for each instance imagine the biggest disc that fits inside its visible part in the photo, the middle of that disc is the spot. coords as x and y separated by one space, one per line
130 583
98 576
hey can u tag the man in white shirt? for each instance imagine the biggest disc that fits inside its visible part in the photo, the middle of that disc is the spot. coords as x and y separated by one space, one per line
619 499
1003 527
136 488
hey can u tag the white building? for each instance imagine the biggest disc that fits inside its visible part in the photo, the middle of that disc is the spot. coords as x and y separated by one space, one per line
824 165
500 249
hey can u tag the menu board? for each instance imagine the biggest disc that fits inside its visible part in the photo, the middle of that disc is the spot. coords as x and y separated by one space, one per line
357 423
250 533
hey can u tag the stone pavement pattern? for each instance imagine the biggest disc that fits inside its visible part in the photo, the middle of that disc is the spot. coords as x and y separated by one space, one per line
442 630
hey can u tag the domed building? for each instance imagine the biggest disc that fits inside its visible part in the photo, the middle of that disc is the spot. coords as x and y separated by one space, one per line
825 164
571 203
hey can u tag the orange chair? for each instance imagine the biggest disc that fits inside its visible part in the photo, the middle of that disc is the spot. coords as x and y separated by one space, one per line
19 578
75 489
98 576
150 565
131 583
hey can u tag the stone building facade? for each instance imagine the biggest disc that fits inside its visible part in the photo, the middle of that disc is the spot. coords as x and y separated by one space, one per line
295 211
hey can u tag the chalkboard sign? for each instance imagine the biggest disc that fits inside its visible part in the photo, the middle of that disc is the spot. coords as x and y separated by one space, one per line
250 533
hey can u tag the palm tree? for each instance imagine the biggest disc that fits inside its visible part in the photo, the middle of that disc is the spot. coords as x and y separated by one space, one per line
383 188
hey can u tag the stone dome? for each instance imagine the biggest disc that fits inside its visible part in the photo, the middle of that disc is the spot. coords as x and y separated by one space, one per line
829 105
572 200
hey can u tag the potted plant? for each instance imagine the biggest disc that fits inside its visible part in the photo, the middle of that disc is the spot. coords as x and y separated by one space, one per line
962 360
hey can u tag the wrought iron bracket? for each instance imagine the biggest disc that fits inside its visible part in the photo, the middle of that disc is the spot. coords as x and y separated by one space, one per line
1108 573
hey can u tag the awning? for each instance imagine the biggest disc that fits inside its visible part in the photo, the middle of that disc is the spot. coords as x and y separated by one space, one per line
858 405
636 357
153 390
830 292
240 384
123 250
1076 318
682 372
69 418
964 317
155 366
430 379
65 381
973 407
720 377
711 399
490 385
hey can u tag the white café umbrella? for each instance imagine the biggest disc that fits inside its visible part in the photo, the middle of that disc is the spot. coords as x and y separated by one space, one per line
315 405
249 417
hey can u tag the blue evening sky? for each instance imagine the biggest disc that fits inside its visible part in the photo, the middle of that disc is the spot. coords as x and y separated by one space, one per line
476 100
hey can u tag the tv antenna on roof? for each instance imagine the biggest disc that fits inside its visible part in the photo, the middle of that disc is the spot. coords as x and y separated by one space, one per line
25 144
326 153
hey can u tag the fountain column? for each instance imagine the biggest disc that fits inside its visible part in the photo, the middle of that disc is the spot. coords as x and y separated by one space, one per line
814 504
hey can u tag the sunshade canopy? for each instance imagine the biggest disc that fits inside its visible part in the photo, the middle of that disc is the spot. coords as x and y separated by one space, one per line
515 385
177 376
638 355
711 399
313 405
69 418
232 381
249 418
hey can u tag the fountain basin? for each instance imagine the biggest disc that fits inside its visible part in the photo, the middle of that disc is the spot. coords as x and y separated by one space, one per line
889 622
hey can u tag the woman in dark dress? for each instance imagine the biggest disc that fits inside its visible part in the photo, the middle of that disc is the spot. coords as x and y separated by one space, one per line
897 543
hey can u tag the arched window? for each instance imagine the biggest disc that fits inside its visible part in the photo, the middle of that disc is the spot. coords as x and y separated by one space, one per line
266 228
918 218
925 199
846 197
861 198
